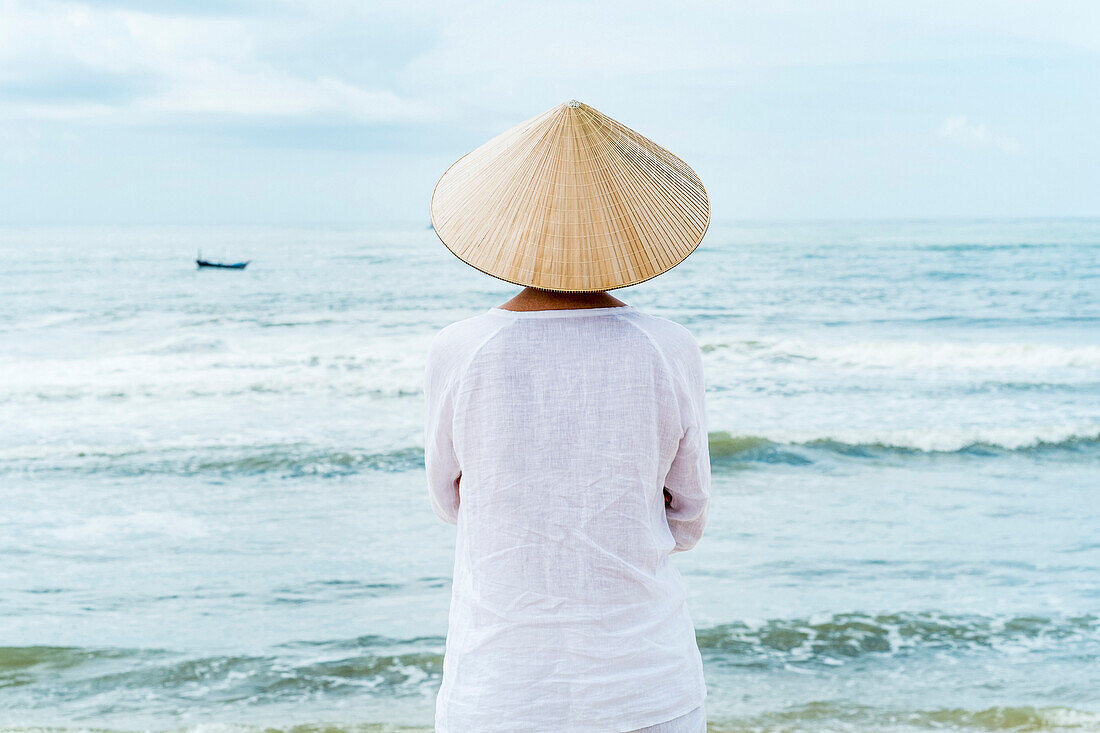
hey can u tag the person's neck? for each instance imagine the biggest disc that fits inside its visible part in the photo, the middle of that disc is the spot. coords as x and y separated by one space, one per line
533 299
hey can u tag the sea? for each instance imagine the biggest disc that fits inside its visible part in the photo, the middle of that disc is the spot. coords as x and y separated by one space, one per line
214 517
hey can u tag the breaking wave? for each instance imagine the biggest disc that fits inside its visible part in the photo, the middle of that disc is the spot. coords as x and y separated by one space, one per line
726 447
382 663
299 459
845 636
281 459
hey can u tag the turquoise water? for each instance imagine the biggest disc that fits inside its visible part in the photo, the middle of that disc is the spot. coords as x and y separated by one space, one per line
214 512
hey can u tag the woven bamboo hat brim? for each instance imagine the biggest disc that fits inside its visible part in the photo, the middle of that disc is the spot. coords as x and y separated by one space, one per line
573 201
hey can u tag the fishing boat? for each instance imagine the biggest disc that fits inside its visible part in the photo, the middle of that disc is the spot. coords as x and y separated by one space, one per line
221 265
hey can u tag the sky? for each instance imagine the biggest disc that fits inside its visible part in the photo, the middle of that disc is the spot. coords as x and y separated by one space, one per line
341 112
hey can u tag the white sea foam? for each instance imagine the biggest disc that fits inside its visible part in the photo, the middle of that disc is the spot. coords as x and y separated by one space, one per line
239 454
171 524
186 345
46 321
198 367
979 358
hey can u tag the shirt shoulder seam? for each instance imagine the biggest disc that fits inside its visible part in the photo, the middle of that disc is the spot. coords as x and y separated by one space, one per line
464 366
669 371
652 342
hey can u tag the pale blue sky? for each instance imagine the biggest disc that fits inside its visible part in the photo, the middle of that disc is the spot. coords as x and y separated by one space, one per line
332 111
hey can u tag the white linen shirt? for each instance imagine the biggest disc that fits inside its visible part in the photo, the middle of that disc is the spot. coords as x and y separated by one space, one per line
550 438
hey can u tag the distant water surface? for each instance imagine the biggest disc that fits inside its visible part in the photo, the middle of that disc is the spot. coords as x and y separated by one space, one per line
214 510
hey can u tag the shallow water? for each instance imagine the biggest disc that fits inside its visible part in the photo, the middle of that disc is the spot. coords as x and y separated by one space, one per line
214 513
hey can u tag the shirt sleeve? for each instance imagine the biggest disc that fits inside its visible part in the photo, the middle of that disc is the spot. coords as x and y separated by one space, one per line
440 461
688 480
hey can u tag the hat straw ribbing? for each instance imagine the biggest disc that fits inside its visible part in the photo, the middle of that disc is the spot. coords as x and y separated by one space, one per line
570 200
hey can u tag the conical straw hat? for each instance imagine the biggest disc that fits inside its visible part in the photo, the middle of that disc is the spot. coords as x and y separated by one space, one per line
570 200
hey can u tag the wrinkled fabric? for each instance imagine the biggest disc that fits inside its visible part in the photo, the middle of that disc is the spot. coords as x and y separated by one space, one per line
551 438
693 722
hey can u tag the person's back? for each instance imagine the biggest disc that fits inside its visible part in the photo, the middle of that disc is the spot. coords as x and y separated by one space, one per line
566 438
552 438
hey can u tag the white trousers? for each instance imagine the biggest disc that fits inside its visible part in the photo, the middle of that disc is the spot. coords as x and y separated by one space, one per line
693 722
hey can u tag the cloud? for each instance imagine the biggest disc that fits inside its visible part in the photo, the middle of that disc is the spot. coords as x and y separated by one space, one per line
958 129
73 61
212 88
301 110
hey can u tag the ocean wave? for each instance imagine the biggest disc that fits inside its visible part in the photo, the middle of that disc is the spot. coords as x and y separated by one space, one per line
300 672
159 675
980 358
220 377
825 640
845 636
294 459
198 366
727 447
